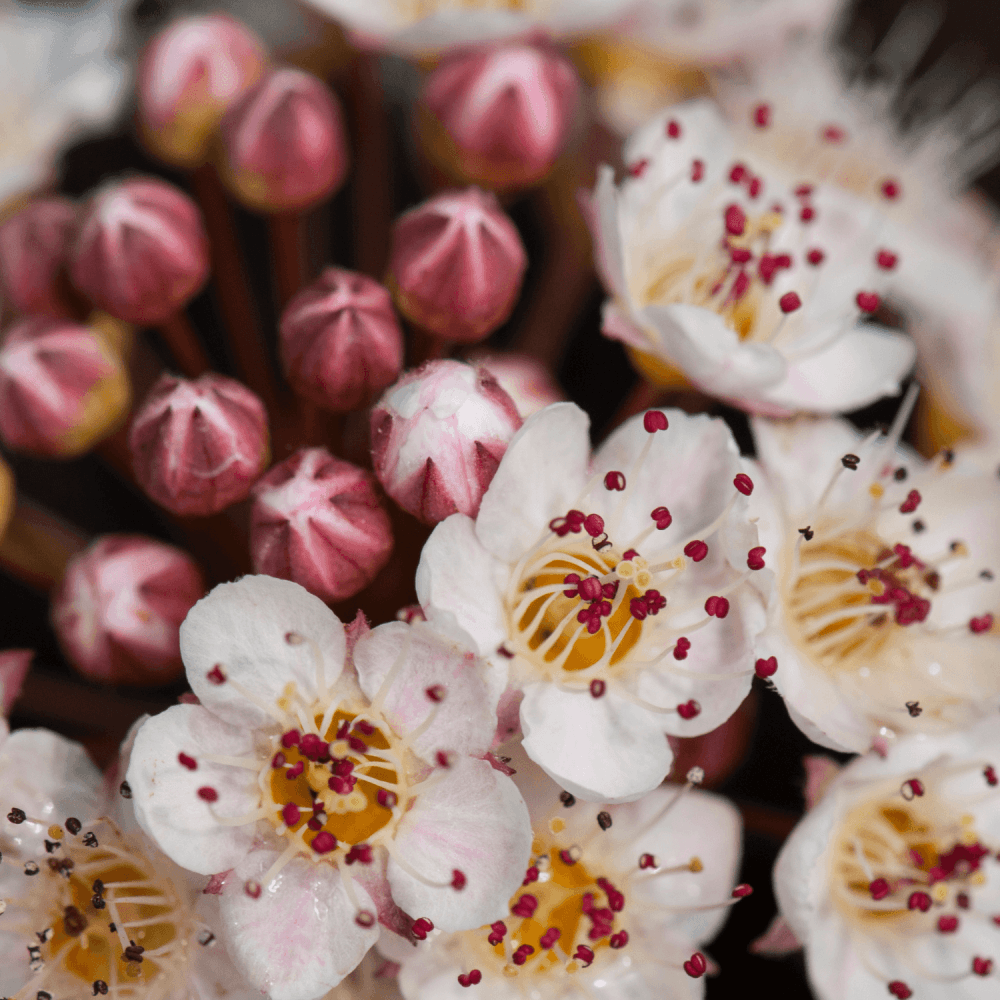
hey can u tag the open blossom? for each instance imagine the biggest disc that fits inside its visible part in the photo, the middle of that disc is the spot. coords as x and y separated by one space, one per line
882 620
755 288
437 25
90 906
614 902
891 881
613 591
301 779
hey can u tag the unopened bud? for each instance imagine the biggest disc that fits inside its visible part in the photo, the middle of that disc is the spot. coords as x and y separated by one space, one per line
526 380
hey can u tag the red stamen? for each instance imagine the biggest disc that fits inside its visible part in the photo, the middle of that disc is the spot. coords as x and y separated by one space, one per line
653 421
736 220
614 481
696 966
867 302
766 668
815 257
762 115
189 762
789 302
696 550
681 648
717 607
208 794
755 557
673 129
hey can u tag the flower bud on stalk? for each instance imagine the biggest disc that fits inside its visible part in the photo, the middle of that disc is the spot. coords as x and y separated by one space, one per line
198 446
320 522
438 436
189 75
456 265
62 388
499 116
284 143
34 245
341 344
141 253
118 610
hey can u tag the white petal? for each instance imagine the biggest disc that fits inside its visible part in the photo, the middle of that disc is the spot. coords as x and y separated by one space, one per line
456 577
466 719
299 938
165 793
473 820
600 749
242 627
540 477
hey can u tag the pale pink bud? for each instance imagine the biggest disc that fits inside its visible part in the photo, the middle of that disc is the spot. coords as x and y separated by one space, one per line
199 445
526 380
62 388
438 436
501 115
319 521
189 74
118 611
141 252
341 344
284 143
34 248
14 667
456 265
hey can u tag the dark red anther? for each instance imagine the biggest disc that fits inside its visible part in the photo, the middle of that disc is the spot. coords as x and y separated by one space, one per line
584 954
357 744
689 710
833 134
278 760
681 648
295 770
662 517
879 888
696 966
740 255
911 503
343 768
737 173
886 259
638 168
919 901
208 794
740 286
789 302
618 940
755 187
900 990
742 891
312 747
523 953
361 853
614 481
696 550
867 302
421 928
717 607
913 788
654 420
697 171
647 861
807 213
323 842
572 579
655 601
215 675
990 774
590 589
252 888
673 129
736 220
443 758
314 824
610 590
339 785
435 692
803 191
743 483
498 930
982 966
525 906
755 557
458 879
637 609
890 189
762 115
290 814
471 978
291 738
549 938
531 875
766 668
363 727
947 925
597 688
593 524
982 624
343 729
566 858
815 256
189 762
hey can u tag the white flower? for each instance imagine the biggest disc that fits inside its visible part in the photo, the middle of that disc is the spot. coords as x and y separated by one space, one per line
338 795
615 901
612 591
882 619
58 75
892 883
89 906
434 25
753 288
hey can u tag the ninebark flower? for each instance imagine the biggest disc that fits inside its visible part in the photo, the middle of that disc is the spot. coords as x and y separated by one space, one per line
612 591
361 785
882 618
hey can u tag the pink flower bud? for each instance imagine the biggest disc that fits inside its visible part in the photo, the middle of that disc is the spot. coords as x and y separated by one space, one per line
141 252
456 265
189 74
526 380
62 388
438 436
119 608
319 521
284 143
34 246
14 667
341 344
198 446
500 116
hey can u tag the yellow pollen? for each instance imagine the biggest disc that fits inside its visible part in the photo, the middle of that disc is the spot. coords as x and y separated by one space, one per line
56 833
876 490
695 865
557 825
939 893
